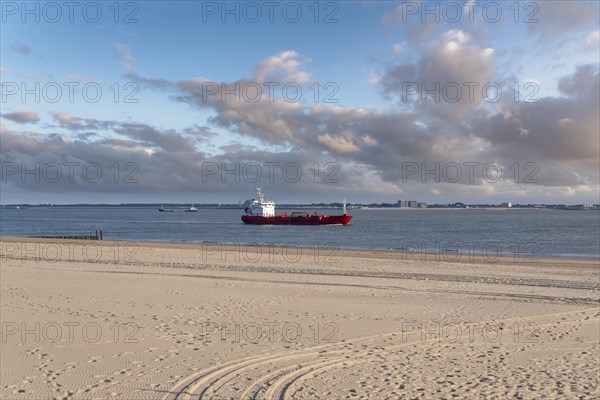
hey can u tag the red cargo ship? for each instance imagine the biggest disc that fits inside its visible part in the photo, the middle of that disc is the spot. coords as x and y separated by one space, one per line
262 212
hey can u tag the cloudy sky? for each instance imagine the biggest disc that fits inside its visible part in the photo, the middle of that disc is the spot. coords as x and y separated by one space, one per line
479 102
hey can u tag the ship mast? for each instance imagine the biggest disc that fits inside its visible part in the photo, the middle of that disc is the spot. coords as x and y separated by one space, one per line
259 195
344 209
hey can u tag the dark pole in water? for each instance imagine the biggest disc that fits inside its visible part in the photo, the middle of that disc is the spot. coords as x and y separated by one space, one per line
100 232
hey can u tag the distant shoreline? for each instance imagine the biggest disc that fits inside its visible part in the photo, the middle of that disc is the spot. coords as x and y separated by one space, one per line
295 206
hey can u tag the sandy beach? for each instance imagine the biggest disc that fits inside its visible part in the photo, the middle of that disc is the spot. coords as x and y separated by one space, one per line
124 320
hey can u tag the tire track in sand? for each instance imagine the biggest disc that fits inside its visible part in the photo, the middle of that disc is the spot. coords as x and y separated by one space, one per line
277 376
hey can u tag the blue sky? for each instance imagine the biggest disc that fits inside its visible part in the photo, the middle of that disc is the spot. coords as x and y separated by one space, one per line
369 51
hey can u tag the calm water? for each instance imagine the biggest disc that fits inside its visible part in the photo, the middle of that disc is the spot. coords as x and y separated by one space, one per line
551 233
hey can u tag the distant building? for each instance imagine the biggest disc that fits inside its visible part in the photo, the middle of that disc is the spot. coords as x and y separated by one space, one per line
410 204
508 204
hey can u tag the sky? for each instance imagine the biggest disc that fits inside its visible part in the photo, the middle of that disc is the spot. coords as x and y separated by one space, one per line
373 101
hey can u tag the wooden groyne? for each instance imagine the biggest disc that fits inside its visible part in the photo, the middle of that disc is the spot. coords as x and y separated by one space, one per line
97 236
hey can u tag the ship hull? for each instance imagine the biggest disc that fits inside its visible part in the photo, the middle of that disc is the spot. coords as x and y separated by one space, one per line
298 220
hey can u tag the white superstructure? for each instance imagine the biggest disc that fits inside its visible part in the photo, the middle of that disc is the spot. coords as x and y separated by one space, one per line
259 206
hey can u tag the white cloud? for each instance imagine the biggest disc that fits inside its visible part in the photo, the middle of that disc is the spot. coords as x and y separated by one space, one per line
399 47
448 60
374 78
126 58
457 36
338 144
592 41
286 66
565 121
382 140
64 117
22 117
368 140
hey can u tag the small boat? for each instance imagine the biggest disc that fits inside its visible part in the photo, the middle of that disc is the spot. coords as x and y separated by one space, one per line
191 209
259 211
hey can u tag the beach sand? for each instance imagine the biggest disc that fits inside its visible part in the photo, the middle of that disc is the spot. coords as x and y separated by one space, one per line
124 320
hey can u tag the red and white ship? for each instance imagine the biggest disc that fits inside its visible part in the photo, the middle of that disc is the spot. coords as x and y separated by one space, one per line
259 211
